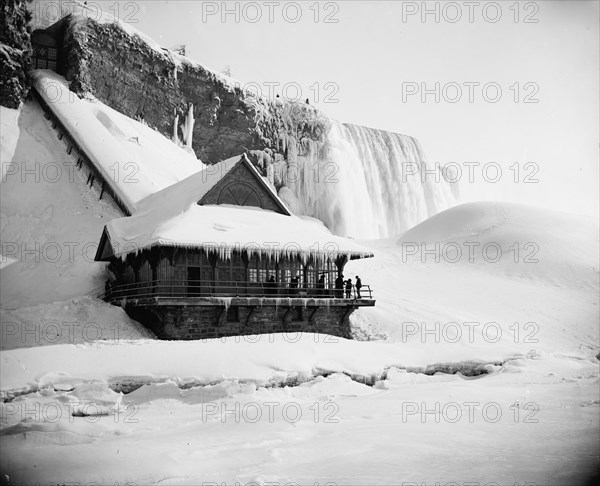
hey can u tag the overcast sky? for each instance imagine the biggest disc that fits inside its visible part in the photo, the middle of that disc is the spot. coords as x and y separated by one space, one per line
371 60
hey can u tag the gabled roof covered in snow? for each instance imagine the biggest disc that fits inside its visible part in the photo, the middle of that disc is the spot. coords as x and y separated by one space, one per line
203 211
234 181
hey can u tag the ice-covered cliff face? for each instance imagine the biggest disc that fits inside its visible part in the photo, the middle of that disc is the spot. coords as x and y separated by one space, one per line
359 181
367 183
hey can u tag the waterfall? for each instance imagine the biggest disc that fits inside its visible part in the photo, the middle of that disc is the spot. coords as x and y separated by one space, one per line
366 183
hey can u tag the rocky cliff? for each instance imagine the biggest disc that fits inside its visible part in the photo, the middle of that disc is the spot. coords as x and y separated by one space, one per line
15 52
132 74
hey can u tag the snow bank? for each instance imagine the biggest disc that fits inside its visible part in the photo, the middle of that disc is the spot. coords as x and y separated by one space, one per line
547 300
518 240
260 359
51 221
9 135
80 320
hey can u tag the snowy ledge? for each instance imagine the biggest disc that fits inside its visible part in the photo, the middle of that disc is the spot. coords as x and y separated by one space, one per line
265 360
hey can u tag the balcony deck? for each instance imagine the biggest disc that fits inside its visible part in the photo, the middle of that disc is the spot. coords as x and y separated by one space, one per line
160 293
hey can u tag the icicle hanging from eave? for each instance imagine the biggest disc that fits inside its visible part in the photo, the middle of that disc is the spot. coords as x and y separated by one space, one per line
225 251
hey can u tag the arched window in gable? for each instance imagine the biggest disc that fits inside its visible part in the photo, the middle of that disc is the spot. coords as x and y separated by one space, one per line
239 194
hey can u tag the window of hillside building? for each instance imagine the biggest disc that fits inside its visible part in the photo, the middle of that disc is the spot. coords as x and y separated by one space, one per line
240 194
45 51
289 271
261 269
128 275
311 276
232 269
165 271
145 272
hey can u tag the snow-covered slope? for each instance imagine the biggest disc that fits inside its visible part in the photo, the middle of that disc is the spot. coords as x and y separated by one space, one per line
9 120
547 299
136 159
515 240
51 221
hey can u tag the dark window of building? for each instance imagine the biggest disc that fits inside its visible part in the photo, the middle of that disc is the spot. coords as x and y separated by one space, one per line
45 50
297 313
239 194
193 281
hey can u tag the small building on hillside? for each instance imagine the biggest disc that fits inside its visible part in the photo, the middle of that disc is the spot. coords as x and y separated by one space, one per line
48 47
219 254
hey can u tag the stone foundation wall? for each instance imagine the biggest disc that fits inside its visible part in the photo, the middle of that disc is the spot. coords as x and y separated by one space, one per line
208 322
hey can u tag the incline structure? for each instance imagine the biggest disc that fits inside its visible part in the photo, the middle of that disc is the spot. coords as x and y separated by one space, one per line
220 254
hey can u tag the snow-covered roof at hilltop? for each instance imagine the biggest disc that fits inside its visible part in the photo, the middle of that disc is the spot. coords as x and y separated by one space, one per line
173 217
136 159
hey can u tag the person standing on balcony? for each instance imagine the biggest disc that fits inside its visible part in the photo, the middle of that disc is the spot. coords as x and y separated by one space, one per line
358 286
294 284
339 286
348 288
321 285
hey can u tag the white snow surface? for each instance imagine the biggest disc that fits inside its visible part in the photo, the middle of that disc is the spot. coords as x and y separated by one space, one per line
9 130
547 300
76 321
51 221
294 408
138 160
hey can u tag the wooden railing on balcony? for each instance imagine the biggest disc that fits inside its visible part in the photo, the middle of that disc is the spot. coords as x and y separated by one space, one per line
178 289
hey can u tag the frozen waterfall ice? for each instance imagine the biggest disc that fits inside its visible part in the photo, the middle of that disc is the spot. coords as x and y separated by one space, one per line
367 183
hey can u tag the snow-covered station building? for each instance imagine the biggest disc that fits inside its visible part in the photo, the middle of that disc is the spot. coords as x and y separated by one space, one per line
219 254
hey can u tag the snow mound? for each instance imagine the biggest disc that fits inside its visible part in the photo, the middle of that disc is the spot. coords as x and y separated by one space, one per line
521 240
545 300
77 321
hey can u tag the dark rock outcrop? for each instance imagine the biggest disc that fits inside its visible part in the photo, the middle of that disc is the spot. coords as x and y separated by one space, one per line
15 52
